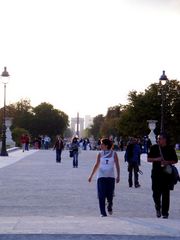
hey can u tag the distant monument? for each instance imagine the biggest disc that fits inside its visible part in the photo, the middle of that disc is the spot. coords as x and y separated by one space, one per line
77 125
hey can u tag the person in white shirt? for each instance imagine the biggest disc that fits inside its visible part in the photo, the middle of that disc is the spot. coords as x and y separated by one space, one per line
106 160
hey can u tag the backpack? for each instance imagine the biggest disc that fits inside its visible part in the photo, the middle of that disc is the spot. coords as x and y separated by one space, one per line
174 177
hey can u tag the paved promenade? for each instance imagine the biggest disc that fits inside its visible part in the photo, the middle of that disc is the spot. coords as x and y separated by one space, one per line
40 199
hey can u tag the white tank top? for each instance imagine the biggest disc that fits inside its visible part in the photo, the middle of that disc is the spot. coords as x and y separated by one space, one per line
106 167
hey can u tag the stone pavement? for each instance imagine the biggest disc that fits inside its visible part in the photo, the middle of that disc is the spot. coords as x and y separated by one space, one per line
40 199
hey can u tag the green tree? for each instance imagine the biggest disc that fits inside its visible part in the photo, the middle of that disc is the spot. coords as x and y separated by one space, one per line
16 135
110 126
43 119
22 114
48 120
146 105
172 109
96 126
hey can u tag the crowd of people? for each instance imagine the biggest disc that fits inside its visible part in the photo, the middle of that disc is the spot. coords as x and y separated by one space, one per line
161 155
40 142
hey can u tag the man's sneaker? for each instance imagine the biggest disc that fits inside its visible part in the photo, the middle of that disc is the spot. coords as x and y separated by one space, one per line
165 216
158 213
103 215
137 185
110 211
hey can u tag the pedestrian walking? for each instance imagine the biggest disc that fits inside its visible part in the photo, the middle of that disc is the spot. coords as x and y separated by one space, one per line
74 147
59 145
132 156
106 160
47 141
161 155
23 142
27 141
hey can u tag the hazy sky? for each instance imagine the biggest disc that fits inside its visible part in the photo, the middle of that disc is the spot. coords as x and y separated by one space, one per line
85 56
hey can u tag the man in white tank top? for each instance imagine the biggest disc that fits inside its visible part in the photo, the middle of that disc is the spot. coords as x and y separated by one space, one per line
106 160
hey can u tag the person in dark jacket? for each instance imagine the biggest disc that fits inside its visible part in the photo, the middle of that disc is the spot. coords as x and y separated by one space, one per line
59 145
161 155
132 156
74 147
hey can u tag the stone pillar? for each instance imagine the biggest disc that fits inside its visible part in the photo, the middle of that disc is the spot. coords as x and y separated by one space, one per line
9 141
152 126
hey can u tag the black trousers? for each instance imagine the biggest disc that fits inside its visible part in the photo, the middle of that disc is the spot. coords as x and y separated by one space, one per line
105 187
58 155
133 167
161 193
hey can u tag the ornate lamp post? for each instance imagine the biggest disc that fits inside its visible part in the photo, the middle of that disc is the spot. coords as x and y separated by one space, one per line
5 77
162 80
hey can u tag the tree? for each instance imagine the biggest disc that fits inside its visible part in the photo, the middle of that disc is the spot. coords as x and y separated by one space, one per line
172 109
17 133
134 118
96 126
48 120
110 126
43 119
22 114
131 119
146 105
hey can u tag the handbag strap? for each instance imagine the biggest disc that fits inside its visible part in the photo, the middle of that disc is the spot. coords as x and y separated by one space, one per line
162 157
161 153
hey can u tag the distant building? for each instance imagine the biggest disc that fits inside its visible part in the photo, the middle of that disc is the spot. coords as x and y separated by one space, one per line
88 121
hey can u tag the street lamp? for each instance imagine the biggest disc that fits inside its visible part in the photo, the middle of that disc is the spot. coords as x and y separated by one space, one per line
5 77
162 80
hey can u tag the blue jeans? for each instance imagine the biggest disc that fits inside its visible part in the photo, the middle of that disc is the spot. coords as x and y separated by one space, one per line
27 146
75 159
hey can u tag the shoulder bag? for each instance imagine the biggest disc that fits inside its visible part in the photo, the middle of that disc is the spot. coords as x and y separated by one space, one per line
166 168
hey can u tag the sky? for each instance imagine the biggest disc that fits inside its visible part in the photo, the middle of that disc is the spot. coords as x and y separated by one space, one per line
86 55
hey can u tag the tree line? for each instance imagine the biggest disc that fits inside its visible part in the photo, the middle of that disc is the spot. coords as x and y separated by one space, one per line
43 119
120 120
131 119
